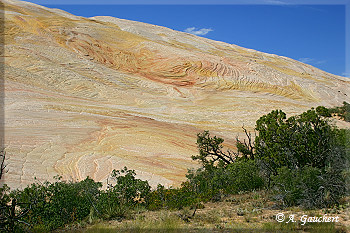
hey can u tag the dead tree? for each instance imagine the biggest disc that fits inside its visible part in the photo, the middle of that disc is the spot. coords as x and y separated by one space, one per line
2 163
211 149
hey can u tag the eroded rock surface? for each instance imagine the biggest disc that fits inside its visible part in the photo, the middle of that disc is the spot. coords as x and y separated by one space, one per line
85 96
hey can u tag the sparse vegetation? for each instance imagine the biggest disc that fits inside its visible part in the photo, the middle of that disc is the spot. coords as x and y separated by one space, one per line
343 112
301 161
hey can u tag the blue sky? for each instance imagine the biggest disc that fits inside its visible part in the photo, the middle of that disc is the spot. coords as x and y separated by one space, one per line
314 34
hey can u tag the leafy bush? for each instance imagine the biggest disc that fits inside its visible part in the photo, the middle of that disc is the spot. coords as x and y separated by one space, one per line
244 175
173 198
55 204
131 191
346 171
323 111
343 112
110 207
4 195
305 155
126 193
211 183
211 151
157 198
288 183
298 141
6 221
309 187
208 182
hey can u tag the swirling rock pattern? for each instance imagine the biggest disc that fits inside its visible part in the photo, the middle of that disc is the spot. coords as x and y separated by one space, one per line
84 96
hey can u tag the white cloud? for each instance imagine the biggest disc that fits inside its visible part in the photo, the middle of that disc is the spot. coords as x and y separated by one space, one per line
346 74
305 59
199 32
311 61
276 2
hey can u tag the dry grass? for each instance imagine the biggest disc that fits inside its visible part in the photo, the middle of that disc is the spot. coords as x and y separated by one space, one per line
248 212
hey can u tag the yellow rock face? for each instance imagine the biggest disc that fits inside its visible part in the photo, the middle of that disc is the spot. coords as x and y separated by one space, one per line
84 96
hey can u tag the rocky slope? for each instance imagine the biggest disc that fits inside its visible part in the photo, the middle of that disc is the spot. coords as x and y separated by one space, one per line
84 96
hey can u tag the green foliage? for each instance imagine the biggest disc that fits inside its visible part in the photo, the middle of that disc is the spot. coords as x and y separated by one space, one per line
246 151
6 221
4 195
59 203
323 111
131 191
343 112
173 198
272 140
346 171
305 155
53 205
211 184
304 140
309 187
244 176
110 207
125 194
287 184
211 151
208 183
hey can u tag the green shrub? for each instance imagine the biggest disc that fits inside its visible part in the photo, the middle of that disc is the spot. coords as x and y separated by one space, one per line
211 152
125 194
4 195
304 140
55 204
243 176
110 207
287 186
7 224
207 182
156 198
131 191
309 187
323 111
343 112
305 155
173 198
213 182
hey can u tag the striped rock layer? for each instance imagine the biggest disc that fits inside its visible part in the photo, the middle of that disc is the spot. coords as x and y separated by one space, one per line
84 96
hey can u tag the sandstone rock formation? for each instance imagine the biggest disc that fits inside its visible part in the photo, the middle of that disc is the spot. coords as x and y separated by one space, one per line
84 96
